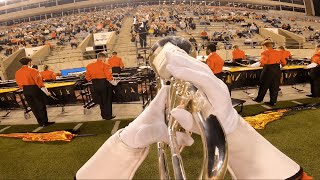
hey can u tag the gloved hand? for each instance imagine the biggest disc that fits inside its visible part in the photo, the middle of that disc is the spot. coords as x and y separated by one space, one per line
45 90
149 127
214 91
255 65
312 65
245 144
114 82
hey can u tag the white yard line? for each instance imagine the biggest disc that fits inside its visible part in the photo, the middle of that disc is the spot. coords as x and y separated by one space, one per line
265 106
3 129
77 126
296 102
115 127
37 129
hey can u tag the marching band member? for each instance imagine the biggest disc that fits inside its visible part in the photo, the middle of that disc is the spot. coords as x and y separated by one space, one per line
47 75
115 63
214 61
271 73
286 54
30 81
238 55
315 73
100 74
250 155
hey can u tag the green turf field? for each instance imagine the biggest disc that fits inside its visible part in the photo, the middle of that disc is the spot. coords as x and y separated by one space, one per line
296 135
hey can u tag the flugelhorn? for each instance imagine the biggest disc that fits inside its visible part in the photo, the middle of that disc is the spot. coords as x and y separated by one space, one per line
185 95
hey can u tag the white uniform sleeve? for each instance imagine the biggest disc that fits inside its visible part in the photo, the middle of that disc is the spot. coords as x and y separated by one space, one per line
312 65
113 82
252 157
255 65
113 160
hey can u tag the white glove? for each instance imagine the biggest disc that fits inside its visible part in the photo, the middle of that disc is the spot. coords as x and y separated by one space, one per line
114 82
217 99
312 65
160 61
255 65
150 127
45 90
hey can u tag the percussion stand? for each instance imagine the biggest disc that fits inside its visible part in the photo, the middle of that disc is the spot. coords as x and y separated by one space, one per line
145 57
8 111
294 86
248 93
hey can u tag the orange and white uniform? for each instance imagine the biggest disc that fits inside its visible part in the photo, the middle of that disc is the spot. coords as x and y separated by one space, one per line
27 76
48 75
286 54
238 54
215 63
115 61
98 70
271 56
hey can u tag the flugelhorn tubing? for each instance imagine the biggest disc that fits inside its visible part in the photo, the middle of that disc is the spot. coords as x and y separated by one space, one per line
163 166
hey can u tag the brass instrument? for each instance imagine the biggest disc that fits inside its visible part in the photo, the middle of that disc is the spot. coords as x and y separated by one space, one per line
185 95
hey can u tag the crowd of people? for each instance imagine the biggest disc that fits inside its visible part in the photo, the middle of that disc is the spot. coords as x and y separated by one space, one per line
160 21
61 31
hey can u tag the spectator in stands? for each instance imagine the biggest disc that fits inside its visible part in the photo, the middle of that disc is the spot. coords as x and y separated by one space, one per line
73 43
142 31
140 59
47 75
194 42
238 55
204 35
254 29
48 44
286 54
115 63
214 61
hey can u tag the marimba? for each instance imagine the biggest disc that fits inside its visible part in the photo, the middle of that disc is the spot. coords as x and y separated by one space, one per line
243 77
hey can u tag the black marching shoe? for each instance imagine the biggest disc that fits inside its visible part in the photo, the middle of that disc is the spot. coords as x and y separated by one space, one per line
256 100
47 124
271 104
112 117
310 95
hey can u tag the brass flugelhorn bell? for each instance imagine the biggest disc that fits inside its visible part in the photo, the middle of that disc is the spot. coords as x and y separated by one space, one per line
185 95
